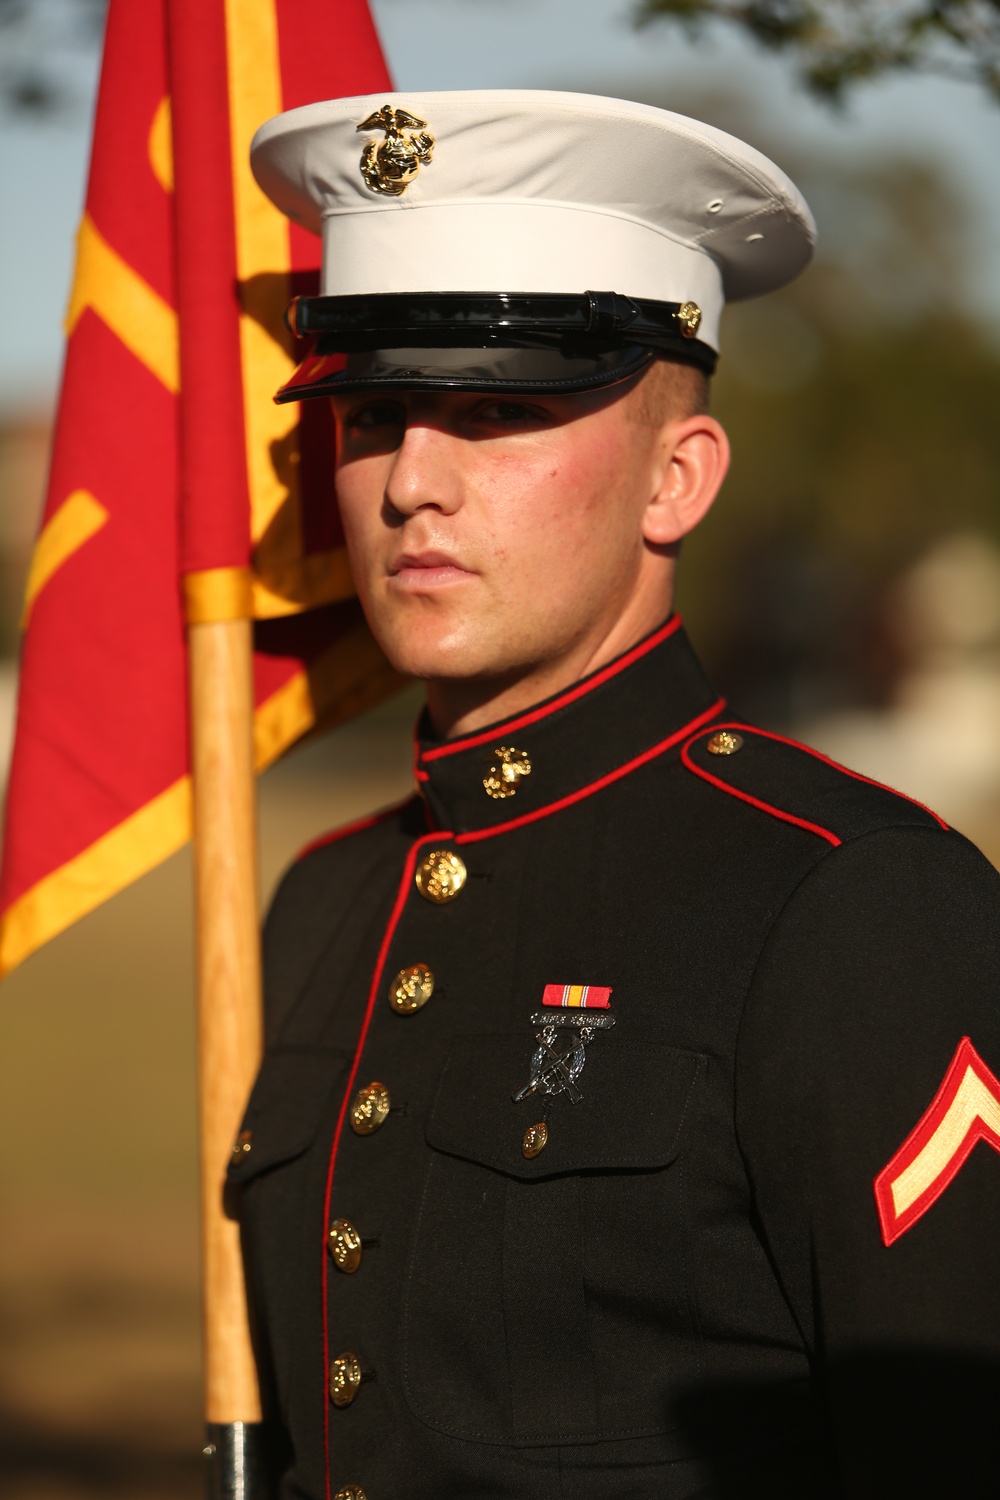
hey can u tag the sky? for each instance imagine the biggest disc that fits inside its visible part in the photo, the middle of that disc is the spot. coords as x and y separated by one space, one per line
441 44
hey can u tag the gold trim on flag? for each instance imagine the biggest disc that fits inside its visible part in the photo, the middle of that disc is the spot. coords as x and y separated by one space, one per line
131 849
287 579
351 675
213 594
352 669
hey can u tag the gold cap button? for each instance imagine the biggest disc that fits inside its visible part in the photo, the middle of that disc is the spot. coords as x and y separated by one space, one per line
440 876
688 316
535 1139
243 1146
345 1245
411 989
724 742
351 1492
345 1377
369 1108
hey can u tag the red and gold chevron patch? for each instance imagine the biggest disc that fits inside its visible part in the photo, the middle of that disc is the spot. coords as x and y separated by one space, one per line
966 1109
584 996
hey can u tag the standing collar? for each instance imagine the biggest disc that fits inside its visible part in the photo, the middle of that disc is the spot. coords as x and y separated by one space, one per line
602 727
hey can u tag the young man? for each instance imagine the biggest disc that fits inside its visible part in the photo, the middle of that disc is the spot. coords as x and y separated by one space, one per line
617 1133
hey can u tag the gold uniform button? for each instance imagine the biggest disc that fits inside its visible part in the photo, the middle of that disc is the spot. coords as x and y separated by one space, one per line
535 1139
351 1492
345 1378
369 1109
345 1245
243 1146
411 989
724 742
440 876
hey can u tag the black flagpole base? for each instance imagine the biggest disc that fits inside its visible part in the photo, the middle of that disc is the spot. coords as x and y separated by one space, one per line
234 1452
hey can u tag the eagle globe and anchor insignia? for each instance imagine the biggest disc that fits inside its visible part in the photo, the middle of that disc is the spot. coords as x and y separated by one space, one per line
389 166
563 1036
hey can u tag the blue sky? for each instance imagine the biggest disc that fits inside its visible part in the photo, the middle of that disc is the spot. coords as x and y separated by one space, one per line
434 44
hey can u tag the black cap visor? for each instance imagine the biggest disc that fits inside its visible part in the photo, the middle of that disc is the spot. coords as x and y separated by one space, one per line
487 342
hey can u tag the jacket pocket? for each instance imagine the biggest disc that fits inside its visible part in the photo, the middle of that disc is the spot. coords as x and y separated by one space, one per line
543 1293
286 1108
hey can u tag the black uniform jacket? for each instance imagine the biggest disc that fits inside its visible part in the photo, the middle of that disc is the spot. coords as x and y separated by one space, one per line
758 1255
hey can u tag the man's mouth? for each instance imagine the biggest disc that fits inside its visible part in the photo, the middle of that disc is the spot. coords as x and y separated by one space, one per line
426 570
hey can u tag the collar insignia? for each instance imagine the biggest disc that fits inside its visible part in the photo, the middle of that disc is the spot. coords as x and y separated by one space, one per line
390 165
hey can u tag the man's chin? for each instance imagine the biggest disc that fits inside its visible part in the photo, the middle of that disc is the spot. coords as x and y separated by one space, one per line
446 655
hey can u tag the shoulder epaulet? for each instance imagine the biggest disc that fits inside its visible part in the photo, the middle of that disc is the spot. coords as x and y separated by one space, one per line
335 836
799 785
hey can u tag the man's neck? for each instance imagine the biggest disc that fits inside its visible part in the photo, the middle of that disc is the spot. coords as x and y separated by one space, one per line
462 706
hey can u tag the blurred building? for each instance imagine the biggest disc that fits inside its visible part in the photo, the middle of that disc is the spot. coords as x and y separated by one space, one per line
938 739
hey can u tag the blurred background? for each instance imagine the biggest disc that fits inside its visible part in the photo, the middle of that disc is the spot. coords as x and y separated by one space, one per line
846 588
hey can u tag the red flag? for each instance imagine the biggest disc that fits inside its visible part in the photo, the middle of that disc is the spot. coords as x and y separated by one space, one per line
99 789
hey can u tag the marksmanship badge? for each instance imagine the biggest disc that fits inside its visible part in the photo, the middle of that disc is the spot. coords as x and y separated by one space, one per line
563 1036
390 165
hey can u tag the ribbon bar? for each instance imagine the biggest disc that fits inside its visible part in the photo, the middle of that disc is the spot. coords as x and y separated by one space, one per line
573 996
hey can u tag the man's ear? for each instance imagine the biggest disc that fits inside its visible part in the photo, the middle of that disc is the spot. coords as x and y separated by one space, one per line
693 460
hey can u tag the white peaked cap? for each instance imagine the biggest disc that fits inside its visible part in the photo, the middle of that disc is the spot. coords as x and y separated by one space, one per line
530 191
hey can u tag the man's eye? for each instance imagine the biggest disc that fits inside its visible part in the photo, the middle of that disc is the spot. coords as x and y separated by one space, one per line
377 414
513 413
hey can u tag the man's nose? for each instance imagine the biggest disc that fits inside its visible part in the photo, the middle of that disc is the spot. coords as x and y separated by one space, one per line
425 473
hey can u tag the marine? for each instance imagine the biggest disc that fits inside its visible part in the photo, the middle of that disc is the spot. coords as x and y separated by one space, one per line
629 1120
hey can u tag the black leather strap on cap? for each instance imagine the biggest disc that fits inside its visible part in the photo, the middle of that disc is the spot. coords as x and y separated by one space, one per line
575 324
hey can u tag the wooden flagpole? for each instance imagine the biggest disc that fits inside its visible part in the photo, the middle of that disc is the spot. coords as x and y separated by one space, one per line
214 565
229 1027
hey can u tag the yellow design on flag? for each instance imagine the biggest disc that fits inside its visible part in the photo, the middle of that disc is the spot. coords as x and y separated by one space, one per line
99 791
160 147
78 519
133 847
136 314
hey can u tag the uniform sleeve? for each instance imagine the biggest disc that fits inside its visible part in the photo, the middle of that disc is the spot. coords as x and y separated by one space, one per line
851 1061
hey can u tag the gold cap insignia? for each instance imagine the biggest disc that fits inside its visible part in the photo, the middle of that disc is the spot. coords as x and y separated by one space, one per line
390 165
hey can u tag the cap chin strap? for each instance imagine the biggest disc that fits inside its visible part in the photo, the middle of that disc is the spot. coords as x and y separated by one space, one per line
578 325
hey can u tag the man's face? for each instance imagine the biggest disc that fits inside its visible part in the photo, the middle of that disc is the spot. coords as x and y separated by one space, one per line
490 535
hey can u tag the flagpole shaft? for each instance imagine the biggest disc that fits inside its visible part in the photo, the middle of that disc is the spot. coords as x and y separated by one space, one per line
229 988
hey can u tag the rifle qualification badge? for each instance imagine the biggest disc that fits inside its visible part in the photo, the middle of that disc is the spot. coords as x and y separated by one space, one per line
390 165
563 1035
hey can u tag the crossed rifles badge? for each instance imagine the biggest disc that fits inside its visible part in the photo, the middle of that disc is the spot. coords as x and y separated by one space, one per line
563 1036
390 165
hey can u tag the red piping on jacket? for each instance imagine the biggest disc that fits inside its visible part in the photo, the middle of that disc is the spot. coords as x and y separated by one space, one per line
356 827
474 836
578 691
397 910
857 776
775 812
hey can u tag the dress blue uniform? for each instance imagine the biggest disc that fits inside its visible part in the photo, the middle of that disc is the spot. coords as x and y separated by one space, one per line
692 1288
